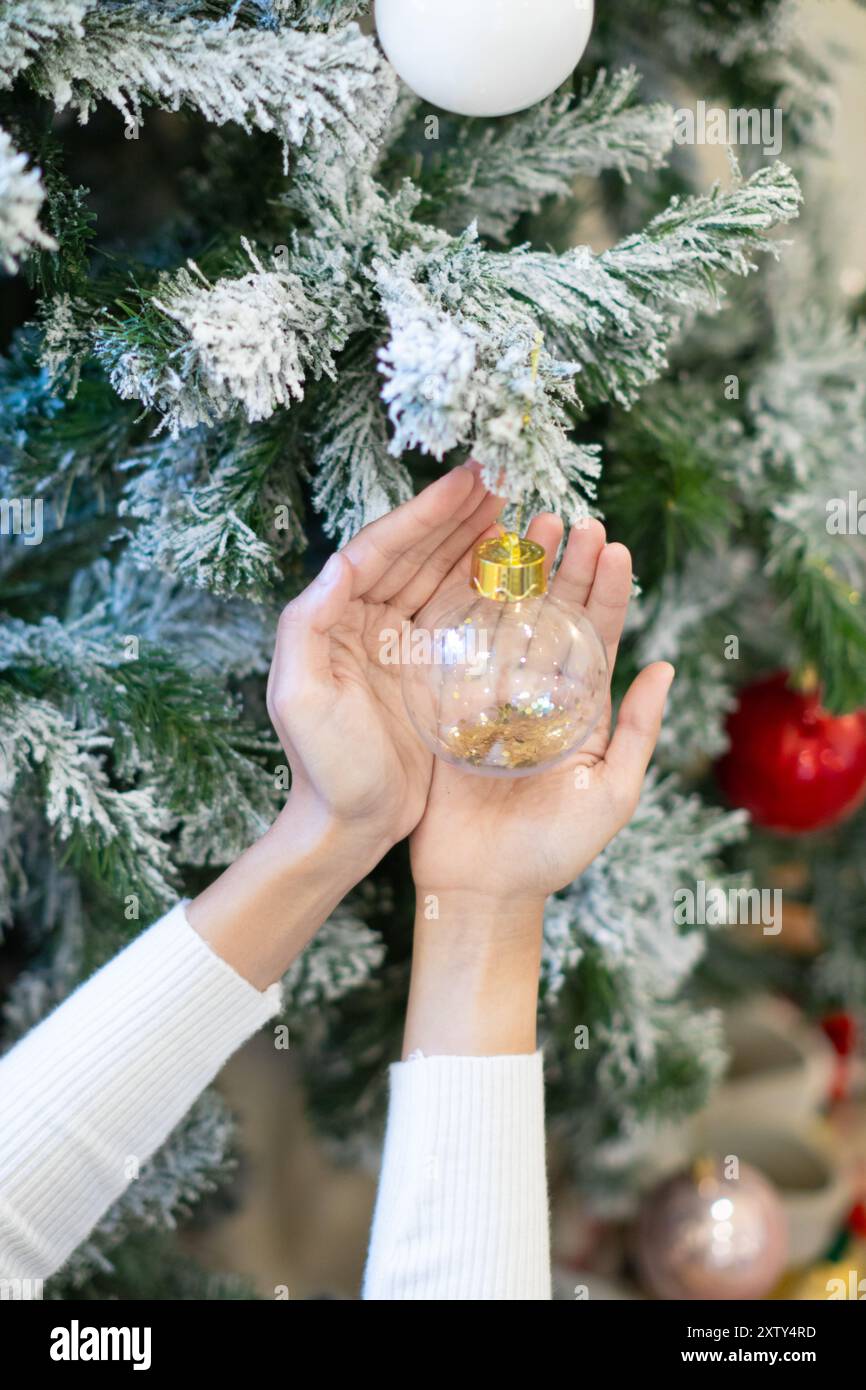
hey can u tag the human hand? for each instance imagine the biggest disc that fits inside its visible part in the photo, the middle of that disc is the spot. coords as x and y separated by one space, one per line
488 852
360 777
336 706
517 841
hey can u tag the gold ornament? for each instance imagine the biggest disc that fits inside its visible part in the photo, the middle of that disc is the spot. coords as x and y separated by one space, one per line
511 681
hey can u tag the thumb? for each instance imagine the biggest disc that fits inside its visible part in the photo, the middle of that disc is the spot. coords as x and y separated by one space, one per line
637 729
301 667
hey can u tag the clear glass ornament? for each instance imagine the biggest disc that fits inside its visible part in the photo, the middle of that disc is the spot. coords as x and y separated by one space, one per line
511 680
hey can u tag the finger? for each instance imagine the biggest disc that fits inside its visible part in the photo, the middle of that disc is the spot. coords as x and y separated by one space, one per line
609 597
637 731
301 666
410 531
440 564
546 530
573 580
408 565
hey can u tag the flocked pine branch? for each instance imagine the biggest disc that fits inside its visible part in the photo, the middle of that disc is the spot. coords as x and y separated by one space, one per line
806 413
216 638
309 13
461 316
616 313
114 838
21 198
198 351
215 508
728 32
494 172
293 83
27 27
356 478
343 955
686 623
465 377
176 739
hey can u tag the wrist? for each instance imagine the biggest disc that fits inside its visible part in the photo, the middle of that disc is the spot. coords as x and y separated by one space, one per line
351 846
475 970
480 917
263 910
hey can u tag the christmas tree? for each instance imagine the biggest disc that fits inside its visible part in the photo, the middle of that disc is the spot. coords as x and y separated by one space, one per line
259 293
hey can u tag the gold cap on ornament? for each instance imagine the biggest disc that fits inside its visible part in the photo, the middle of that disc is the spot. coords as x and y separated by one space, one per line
508 568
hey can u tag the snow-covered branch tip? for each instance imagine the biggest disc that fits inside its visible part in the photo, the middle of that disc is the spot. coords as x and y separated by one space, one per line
29 27
21 198
494 173
248 341
293 83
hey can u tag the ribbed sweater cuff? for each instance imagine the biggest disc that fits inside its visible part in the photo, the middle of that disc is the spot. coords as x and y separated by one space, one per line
89 1094
462 1211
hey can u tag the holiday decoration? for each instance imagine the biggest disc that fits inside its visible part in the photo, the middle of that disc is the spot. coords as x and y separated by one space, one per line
274 352
486 58
509 681
780 1067
842 1030
704 1235
790 764
841 1272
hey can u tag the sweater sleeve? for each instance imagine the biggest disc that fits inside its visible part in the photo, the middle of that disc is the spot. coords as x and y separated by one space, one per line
104 1079
462 1210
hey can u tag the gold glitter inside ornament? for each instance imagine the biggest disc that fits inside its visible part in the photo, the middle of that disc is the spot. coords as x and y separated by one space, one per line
511 680
512 737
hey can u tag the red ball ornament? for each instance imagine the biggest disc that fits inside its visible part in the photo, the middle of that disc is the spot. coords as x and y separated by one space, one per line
841 1029
790 764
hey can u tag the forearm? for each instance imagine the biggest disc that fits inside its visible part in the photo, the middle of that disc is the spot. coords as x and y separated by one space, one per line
475 969
261 913
88 1095
462 1211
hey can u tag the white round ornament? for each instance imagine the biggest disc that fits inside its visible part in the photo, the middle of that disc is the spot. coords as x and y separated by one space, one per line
484 57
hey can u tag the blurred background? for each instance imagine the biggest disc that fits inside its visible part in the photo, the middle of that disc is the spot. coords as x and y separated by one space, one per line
794 1103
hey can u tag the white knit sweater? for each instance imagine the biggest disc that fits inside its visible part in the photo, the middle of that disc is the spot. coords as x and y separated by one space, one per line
93 1090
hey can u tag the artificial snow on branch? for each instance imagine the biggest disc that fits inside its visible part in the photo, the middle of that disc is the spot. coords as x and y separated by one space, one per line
356 478
246 341
198 507
196 769
342 956
494 172
464 321
315 12
293 83
28 27
21 198
806 412
617 312
114 837
651 1056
